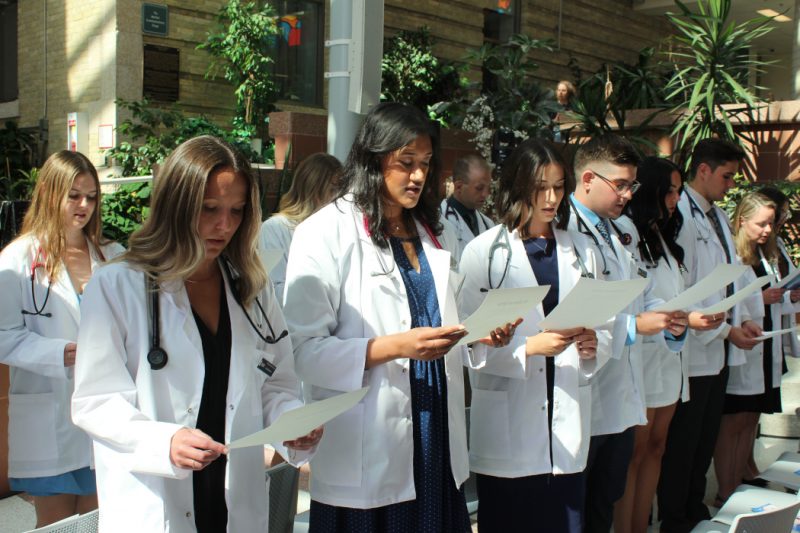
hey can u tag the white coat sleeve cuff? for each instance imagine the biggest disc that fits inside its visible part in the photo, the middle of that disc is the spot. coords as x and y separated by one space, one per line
152 454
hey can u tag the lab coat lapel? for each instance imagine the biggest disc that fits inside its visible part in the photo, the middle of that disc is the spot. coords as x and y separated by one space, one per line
62 289
243 348
177 324
568 268
439 262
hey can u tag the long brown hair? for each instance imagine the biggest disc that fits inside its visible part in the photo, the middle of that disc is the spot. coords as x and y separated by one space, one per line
313 185
168 245
44 219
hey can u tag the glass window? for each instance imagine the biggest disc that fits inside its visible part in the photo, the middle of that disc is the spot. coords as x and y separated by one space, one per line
299 50
8 51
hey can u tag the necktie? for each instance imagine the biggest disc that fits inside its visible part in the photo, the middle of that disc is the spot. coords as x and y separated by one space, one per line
602 229
714 219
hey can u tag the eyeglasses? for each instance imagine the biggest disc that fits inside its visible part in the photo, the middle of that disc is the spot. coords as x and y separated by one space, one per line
619 187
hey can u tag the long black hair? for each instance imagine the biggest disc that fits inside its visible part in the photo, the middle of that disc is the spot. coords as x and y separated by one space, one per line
389 127
649 212
521 176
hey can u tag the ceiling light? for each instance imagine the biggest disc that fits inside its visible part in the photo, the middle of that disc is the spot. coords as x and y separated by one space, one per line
774 14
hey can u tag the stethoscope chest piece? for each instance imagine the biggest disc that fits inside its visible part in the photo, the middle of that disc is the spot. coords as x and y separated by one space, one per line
157 358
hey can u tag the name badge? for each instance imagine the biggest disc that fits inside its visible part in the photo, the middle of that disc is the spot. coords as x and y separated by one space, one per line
642 273
267 367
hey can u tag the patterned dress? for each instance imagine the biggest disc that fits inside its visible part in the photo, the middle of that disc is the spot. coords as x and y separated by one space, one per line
439 506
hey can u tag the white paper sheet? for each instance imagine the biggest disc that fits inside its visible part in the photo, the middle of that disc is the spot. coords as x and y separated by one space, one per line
717 279
270 258
737 296
593 302
792 277
500 307
777 332
298 422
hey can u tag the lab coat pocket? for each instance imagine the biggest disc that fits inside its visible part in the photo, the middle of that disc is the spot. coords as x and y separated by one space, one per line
32 427
339 456
490 430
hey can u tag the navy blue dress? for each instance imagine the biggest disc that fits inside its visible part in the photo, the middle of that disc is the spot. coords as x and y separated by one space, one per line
439 506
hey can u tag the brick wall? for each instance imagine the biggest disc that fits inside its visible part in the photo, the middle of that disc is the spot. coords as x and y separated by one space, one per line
592 31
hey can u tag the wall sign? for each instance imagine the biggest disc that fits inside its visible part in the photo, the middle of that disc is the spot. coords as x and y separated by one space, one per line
155 20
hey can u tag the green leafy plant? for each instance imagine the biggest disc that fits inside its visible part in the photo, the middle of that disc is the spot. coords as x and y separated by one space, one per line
17 176
635 86
154 132
516 102
412 74
243 50
712 68
125 210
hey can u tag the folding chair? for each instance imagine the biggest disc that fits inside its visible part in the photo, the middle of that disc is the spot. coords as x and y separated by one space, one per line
777 520
785 471
283 481
67 525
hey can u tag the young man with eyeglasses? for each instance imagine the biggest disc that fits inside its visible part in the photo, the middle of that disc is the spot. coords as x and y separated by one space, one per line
706 239
605 174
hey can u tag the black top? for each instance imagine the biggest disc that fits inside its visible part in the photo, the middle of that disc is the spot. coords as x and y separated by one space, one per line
544 262
469 215
210 511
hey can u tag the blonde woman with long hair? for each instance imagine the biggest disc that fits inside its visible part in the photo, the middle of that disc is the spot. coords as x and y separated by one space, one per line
184 349
753 387
313 186
42 276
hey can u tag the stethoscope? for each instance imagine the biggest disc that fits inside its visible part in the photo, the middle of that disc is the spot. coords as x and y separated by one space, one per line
450 212
387 271
38 311
583 227
694 209
502 242
157 356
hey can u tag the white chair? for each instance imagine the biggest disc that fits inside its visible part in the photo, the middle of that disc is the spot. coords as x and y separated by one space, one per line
785 471
776 520
747 499
67 525
89 522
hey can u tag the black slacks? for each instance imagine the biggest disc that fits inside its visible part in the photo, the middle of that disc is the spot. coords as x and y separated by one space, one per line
690 448
546 503
606 475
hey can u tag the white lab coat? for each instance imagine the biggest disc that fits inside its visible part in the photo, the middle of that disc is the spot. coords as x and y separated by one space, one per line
666 372
132 411
463 233
509 433
791 341
618 394
41 437
748 378
276 234
338 297
702 253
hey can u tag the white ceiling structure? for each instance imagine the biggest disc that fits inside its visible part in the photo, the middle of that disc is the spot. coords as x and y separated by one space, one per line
778 41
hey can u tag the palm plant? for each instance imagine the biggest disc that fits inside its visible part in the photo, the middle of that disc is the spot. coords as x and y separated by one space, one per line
712 66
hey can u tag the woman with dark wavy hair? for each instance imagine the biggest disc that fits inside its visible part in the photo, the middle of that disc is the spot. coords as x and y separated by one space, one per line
653 210
370 301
